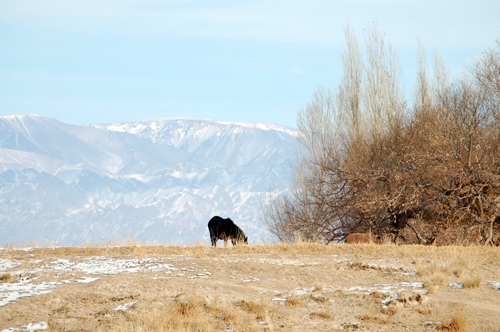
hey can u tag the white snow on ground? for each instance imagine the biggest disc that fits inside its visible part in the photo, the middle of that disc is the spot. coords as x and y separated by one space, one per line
125 306
86 280
27 286
5 264
493 283
31 327
457 285
110 266
10 292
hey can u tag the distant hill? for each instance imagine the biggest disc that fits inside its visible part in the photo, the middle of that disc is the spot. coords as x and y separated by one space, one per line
159 181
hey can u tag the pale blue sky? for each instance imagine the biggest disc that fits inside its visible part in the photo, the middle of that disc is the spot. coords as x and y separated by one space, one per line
98 61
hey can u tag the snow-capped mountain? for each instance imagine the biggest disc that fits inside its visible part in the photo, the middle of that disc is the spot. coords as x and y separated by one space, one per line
157 181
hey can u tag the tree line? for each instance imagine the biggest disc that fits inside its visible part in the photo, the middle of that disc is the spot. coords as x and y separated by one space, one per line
422 171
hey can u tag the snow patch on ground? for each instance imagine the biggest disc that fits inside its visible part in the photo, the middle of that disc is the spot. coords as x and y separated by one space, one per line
5 264
388 289
125 306
493 283
31 327
98 265
109 266
10 292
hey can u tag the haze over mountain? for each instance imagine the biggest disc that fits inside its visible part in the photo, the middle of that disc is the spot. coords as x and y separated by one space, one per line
157 181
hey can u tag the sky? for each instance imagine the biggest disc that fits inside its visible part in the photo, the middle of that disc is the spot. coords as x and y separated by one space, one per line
111 61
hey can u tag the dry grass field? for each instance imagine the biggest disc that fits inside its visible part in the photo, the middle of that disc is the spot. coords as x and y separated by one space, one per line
282 287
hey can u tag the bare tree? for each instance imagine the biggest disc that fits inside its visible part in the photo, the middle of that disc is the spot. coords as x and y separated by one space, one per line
370 162
303 213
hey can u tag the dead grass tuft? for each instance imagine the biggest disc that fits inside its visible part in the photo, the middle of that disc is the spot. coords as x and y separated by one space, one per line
223 313
252 307
472 281
294 301
318 298
427 268
391 309
189 306
374 319
431 287
458 271
434 281
408 297
320 315
378 295
189 313
165 319
7 278
424 311
456 263
457 323
319 287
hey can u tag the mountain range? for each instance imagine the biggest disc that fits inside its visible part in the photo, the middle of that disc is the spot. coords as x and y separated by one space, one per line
157 181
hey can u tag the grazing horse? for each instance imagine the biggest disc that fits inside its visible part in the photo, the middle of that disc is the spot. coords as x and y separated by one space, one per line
363 238
225 229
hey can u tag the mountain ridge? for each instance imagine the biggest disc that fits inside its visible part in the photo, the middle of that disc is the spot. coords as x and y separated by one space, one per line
157 181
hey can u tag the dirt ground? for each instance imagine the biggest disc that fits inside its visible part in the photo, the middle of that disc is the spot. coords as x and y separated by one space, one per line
253 288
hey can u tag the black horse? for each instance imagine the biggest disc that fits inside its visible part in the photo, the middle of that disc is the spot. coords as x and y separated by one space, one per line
225 229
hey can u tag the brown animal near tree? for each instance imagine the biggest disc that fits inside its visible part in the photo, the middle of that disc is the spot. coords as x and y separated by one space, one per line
362 238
